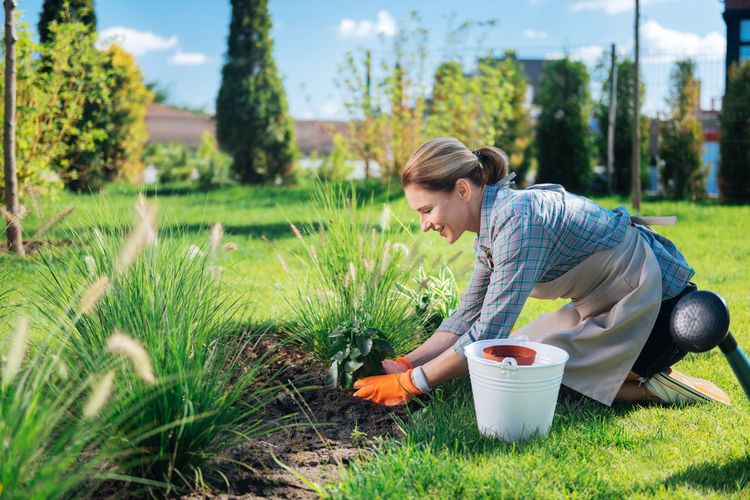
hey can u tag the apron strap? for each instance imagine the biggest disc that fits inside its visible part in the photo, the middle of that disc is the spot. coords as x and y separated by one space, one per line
653 221
506 181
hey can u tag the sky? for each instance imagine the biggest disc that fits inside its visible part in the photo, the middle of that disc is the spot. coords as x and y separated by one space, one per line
181 43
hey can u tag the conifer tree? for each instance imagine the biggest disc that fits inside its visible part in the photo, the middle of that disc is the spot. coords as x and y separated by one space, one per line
734 172
563 140
682 137
252 122
64 11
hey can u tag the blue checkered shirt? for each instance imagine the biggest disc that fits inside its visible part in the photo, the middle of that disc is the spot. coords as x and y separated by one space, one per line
534 236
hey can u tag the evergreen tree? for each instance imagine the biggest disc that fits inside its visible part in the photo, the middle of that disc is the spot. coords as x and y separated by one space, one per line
734 172
65 11
623 147
682 137
514 129
562 133
252 123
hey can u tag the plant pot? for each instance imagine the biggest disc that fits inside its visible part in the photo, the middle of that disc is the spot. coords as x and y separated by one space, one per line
524 356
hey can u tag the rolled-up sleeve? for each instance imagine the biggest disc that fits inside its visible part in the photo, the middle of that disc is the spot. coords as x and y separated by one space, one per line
521 249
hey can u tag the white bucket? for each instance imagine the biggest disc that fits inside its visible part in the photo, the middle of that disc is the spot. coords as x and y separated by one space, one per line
514 402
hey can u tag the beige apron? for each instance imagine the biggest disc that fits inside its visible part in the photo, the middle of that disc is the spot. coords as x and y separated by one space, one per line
615 299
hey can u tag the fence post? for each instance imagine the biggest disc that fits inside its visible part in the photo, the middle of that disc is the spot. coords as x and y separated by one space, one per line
612 115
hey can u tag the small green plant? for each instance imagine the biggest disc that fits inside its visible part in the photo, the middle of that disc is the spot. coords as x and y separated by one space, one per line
435 298
358 353
357 437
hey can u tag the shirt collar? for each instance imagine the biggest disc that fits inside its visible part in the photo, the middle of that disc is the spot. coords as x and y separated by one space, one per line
488 202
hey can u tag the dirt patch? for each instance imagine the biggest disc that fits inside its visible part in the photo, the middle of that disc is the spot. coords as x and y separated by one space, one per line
323 430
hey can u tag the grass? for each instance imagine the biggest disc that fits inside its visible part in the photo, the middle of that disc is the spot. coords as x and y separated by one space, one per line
591 452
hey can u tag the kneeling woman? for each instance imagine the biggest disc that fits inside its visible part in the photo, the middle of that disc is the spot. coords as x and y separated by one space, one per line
622 279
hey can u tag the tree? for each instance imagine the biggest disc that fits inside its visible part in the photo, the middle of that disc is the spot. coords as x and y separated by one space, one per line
734 144
682 137
121 120
513 129
13 228
65 11
623 147
50 102
562 135
252 122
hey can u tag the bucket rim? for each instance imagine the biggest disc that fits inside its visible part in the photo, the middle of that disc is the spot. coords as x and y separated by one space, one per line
481 344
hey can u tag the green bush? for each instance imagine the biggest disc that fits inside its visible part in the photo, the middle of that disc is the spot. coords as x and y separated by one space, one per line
350 268
172 300
734 172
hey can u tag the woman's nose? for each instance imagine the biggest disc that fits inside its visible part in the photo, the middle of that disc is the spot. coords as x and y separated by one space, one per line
425 224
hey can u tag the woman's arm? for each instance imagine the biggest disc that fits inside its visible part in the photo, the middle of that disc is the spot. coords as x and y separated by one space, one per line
443 368
436 345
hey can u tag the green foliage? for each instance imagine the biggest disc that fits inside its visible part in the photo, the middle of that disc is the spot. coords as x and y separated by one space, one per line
172 300
388 120
623 147
513 130
42 429
563 139
122 120
51 100
358 353
734 171
349 266
252 122
214 167
172 159
435 298
178 163
63 11
467 106
682 137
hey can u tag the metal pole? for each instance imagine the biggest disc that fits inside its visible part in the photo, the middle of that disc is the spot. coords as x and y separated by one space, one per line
612 115
636 177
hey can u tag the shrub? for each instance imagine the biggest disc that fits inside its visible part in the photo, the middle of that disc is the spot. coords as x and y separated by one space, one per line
172 300
349 267
213 166
734 172
435 298
173 160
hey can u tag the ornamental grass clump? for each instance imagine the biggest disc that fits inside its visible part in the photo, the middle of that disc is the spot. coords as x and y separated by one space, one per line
349 265
435 298
165 292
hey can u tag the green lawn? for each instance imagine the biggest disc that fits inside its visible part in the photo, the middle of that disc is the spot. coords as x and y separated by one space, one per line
592 451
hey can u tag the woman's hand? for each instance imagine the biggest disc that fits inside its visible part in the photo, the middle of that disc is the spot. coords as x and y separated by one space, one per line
389 390
400 365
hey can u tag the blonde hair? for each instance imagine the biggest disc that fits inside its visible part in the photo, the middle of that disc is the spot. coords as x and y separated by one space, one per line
439 163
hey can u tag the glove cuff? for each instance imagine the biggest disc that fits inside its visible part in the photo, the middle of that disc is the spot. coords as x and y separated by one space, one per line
404 361
404 379
419 380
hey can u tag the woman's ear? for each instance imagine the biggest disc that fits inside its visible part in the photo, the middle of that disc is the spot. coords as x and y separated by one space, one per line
463 188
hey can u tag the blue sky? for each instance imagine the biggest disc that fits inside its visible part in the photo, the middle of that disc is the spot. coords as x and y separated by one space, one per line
181 44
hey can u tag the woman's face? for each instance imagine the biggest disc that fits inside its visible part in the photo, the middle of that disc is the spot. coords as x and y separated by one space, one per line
449 213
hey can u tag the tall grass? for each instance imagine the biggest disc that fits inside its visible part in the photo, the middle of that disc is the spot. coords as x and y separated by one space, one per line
171 298
354 254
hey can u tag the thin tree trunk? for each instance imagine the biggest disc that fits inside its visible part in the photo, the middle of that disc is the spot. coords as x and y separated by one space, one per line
15 243
636 177
611 122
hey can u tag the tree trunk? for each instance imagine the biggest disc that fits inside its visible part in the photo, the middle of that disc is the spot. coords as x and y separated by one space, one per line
15 243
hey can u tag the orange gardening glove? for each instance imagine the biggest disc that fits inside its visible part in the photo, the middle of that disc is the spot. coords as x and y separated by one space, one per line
389 390
400 365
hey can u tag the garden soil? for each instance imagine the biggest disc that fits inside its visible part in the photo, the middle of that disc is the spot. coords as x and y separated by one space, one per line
323 430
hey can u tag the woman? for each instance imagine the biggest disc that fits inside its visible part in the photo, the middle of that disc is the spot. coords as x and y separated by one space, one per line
622 278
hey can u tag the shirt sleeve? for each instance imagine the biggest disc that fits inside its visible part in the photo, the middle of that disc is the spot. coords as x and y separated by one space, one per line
521 250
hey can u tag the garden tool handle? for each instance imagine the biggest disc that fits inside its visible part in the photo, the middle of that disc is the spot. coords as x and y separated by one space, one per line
737 360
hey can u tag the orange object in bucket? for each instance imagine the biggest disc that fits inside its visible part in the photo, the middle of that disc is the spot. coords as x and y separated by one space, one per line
524 356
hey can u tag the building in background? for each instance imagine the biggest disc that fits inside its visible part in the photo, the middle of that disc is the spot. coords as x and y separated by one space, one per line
171 125
737 17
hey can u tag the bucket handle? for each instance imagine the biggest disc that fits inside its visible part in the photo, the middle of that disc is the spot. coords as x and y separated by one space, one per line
509 363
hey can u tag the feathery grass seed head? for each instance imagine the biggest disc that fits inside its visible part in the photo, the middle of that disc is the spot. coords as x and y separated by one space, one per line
92 295
90 265
353 271
31 191
385 217
228 247
17 349
53 221
278 255
194 251
143 233
12 219
296 232
99 395
217 232
119 343
400 247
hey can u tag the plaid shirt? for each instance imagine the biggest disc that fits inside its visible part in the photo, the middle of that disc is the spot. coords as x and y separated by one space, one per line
536 235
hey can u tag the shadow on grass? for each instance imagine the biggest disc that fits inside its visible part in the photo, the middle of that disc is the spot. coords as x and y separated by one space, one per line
728 476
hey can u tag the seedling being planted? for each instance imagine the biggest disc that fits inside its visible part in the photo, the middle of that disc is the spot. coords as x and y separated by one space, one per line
358 353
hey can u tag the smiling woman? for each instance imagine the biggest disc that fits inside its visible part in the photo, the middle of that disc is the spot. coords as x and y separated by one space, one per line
622 279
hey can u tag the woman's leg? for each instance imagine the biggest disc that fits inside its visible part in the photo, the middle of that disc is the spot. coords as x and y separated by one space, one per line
634 391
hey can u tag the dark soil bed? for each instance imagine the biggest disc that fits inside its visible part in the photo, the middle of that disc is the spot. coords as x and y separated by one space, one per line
324 429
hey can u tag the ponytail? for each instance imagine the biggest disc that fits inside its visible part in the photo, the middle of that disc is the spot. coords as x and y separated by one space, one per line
439 163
